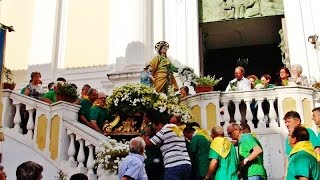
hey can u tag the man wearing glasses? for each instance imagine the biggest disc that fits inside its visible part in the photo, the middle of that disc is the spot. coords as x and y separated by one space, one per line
99 113
250 154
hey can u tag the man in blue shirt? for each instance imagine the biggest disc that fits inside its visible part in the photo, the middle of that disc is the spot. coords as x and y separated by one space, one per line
132 166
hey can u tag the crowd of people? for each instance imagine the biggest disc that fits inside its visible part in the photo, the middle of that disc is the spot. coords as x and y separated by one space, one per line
184 151
177 151
30 170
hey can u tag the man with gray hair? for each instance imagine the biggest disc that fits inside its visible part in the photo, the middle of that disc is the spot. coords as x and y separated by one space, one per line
132 166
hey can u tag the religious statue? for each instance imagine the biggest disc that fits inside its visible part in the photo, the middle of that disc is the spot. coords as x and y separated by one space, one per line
163 69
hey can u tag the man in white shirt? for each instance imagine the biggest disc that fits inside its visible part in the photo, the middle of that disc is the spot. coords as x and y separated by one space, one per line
239 83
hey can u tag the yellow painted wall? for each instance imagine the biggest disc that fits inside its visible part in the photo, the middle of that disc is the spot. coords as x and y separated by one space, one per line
18 14
87 33
211 111
196 114
307 113
42 131
289 104
54 137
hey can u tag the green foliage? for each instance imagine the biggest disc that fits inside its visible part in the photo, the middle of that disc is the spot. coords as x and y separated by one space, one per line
207 81
67 90
8 75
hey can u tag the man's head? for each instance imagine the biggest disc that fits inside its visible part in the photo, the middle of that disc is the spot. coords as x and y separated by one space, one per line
234 131
188 132
79 176
92 94
217 132
316 116
245 128
50 86
292 119
61 79
29 171
101 100
175 119
298 134
239 72
85 89
137 145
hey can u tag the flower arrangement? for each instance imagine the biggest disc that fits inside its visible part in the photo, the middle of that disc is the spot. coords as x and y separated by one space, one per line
170 104
131 98
110 153
61 175
8 75
186 74
67 92
207 81
316 85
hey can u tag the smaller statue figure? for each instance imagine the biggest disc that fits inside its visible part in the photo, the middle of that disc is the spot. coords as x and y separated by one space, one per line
146 76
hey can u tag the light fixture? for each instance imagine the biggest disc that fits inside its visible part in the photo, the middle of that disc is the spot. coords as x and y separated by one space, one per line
313 39
243 61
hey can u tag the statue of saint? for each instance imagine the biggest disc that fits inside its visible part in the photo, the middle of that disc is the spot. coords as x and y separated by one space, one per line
163 69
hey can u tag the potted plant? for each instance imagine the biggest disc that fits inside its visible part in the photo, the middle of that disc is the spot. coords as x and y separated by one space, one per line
8 75
67 92
206 83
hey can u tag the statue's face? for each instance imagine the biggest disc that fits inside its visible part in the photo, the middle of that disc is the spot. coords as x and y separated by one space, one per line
163 49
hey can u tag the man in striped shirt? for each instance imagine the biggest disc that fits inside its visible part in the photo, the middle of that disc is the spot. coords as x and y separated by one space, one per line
173 147
132 166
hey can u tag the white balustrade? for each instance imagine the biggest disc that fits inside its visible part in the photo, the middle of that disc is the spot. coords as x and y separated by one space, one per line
30 124
90 163
17 118
249 115
72 151
237 114
81 157
71 131
272 114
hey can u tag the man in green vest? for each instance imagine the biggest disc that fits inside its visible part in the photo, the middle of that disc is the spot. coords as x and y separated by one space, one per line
98 113
86 105
316 119
292 119
223 155
198 151
302 159
250 154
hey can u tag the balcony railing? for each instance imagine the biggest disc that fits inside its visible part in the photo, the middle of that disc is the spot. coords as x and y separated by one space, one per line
54 132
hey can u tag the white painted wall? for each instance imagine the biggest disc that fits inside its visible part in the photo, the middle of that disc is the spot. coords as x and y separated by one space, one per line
22 154
302 21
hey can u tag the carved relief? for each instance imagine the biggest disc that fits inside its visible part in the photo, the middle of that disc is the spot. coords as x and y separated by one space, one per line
217 10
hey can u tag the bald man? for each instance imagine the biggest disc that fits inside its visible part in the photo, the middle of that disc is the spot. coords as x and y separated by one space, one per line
224 161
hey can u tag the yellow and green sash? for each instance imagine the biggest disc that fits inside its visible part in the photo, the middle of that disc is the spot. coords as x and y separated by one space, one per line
221 145
303 146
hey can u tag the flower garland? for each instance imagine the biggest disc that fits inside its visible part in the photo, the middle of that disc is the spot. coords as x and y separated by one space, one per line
110 153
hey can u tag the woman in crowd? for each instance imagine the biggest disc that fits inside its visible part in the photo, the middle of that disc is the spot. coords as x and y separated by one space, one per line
184 91
265 81
163 69
252 78
284 74
35 89
297 77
